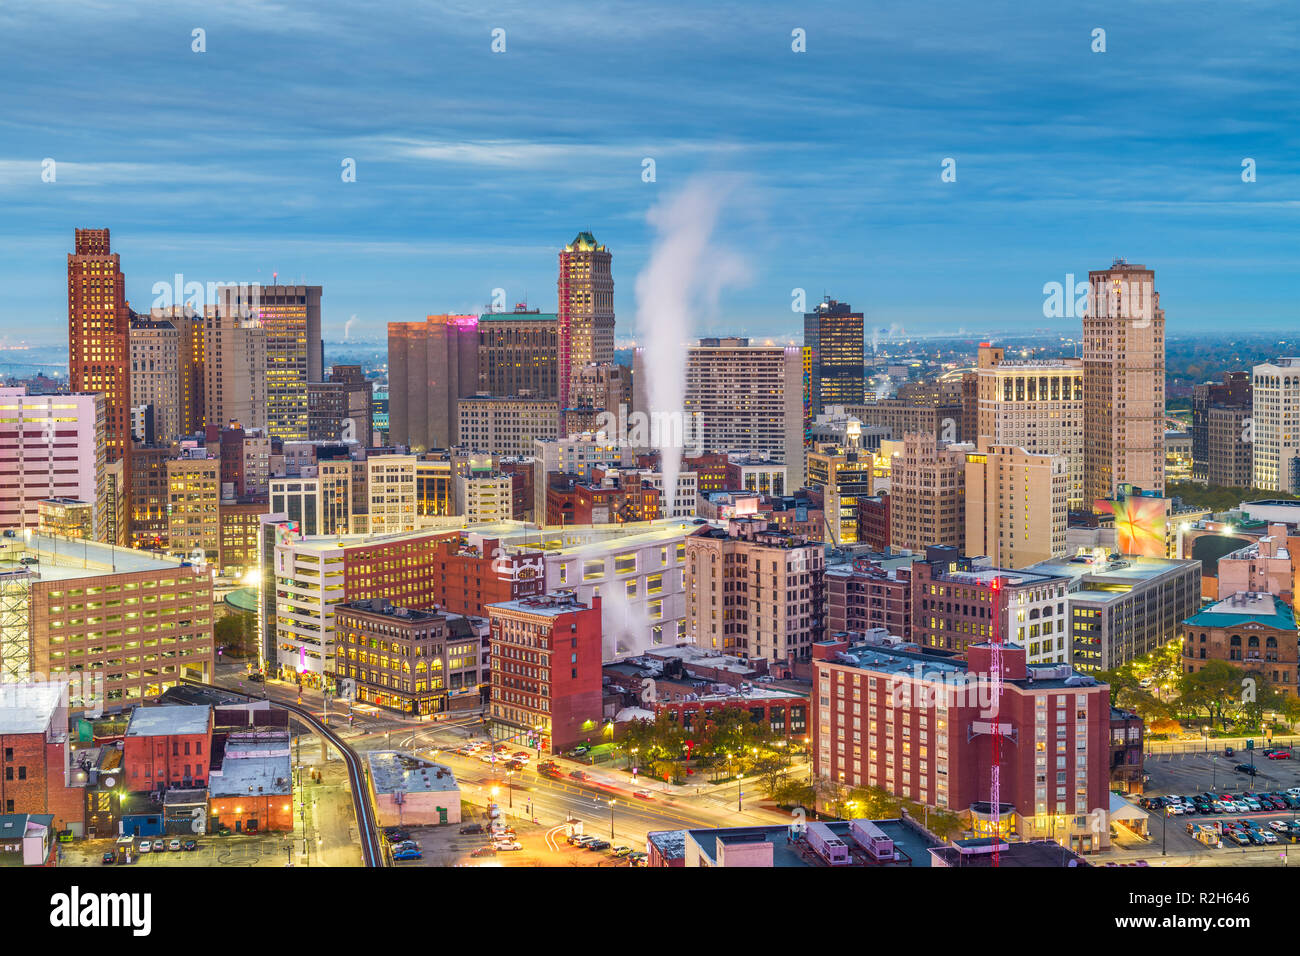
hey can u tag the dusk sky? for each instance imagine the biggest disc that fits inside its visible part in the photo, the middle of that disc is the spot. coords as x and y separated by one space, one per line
473 168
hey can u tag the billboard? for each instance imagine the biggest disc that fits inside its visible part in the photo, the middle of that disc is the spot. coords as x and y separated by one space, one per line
1140 524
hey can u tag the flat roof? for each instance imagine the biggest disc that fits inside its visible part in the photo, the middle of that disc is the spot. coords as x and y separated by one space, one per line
166 719
1246 607
59 558
251 776
1038 854
1125 570
549 605
393 770
786 852
29 708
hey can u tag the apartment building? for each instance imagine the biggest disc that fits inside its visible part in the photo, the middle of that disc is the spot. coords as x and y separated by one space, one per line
1016 505
1275 425
52 446
754 592
1036 405
927 494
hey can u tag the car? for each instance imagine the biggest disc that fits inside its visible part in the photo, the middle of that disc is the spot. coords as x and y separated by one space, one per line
406 845
598 845
508 845
1281 826
1239 838
1146 682
488 757
579 839
410 853
1268 835
1255 837
108 857
1229 752
500 832
159 846
256 678
637 858
581 749
522 756
145 846
174 846
620 851
1175 809
484 851
1246 769
494 813
472 828
190 845
644 795
395 835
577 774
1253 805
514 765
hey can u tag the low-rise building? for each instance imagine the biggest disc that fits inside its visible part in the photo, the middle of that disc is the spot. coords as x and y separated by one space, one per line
1251 630
412 791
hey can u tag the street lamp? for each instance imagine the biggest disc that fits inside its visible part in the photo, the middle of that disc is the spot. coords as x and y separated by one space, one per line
611 820
1206 731
510 788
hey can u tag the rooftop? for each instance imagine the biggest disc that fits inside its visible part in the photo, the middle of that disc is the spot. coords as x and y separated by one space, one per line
979 853
1246 607
167 719
244 776
29 708
790 853
394 770
547 605
59 558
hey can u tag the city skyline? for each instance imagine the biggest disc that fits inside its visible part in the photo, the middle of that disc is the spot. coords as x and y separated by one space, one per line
1053 147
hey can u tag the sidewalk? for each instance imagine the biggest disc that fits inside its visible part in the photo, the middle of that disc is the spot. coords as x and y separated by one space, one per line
614 775
1216 744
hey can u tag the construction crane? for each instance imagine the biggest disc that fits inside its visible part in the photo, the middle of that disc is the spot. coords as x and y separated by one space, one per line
995 687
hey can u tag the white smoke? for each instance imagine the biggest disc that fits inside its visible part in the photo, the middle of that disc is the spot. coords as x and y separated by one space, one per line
347 329
626 628
686 272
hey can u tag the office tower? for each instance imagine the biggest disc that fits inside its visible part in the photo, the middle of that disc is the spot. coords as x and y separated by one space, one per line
431 366
290 318
358 397
754 592
904 415
1276 425
585 324
149 501
99 336
52 446
156 374
596 389
740 398
326 409
833 334
1036 405
1016 505
506 426
927 494
193 494
1228 446
234 373
390 493
842 474
518 352
1123 382
1233 392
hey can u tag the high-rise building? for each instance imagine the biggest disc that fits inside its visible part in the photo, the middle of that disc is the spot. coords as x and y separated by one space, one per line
291 320
501 425
52 446
234 372
833 333
1016 505
740 397
518 352
755 592
149 500
1123 382
99 336
156 374
1229 448
585 323
927 494
358 399
843 476
390 493
1232 392
1036 405
193 495
431 366
1275 425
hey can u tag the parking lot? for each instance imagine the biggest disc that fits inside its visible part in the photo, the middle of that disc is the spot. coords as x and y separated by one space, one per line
264 849
1188 774
541 846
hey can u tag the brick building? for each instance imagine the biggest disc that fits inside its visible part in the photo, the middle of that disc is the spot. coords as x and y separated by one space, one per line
546 673
865 595
918 725
1250 630
33 754
167 746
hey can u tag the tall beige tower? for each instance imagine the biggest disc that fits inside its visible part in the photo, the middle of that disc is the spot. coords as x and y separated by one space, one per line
1123 382
1016 505
927 493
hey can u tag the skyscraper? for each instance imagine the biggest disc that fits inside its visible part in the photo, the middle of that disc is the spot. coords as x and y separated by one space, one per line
431 365
290 317
1016 505
99 333
1232 394
1275 425
234 371
586 316
834 336
1123 382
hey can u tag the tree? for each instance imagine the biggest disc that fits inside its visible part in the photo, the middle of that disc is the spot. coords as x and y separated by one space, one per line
771 772
233 630
1215 690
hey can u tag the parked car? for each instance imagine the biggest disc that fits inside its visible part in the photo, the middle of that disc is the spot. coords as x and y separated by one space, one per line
579 839
472 828
484 851
190 845
405 845
598 845
256 678
395 835
1281 826
108 857
637 858
1229 752
410 853
1245 768
1239 838
508 845
159 846
174 846
145 846
620 851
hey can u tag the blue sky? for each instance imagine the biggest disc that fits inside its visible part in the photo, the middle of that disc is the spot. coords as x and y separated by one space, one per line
474 167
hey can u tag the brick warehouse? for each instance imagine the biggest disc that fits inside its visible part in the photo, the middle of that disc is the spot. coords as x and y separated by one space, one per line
33 754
